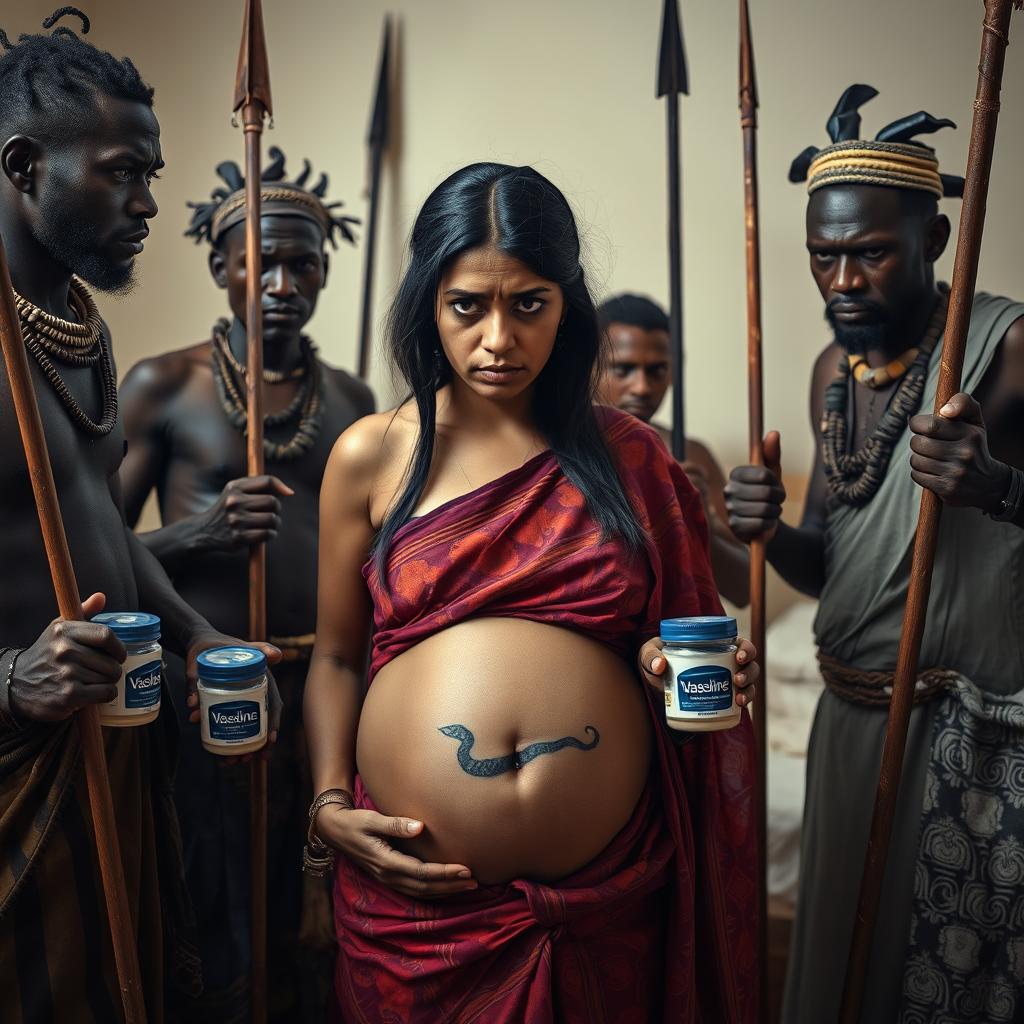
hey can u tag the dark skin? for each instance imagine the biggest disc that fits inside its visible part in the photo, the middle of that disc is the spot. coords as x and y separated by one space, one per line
181 443
873 260
636 381
101 184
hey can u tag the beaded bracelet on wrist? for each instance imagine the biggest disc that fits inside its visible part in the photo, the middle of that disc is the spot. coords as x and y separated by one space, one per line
318 857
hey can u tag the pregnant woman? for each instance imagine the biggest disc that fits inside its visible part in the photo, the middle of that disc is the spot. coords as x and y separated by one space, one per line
519 837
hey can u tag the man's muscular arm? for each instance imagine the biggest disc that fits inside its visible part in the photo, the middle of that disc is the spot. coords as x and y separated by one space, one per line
247 511
967 453
755 496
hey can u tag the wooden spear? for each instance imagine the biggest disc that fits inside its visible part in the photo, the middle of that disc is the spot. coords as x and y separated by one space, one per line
965 272
69 605
755 397
377 142
252 97
673 80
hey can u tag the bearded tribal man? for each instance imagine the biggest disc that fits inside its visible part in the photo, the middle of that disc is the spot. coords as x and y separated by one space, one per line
74 208
635 380
948 943
185 420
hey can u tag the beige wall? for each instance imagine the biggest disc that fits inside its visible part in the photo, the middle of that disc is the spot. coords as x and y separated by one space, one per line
568 87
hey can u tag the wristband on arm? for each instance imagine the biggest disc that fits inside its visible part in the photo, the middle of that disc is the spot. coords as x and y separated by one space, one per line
1011 509
318 857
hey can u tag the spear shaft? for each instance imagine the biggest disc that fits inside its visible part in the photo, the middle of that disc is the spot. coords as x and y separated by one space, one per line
377 141
672 80
965 273
252 97
69 605
755 393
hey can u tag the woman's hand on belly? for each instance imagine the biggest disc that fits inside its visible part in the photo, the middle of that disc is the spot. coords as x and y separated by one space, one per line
363 837
653 665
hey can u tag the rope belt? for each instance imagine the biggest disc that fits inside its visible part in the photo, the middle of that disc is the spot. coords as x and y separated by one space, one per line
874 689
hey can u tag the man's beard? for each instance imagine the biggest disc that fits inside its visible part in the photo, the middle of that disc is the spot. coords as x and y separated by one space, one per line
77 247
858 339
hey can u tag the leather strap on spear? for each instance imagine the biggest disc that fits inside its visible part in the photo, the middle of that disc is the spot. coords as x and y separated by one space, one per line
252 98
672 80
377 143
69 605
755 398
965 272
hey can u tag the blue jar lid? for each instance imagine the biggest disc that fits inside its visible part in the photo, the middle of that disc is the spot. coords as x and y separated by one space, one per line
231 664
699 628
131 627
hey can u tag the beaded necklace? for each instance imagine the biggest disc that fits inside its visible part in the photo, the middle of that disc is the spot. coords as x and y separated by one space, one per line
307 404
220 332
77 343
854 477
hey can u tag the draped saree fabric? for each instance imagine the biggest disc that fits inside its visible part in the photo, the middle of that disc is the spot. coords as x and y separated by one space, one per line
663 924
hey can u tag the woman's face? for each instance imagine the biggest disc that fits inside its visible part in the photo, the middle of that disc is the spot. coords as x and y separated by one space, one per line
498 322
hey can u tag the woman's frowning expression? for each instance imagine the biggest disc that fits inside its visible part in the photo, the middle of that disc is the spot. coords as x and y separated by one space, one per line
498 322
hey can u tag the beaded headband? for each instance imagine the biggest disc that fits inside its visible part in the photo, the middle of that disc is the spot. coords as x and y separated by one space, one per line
280 200
893 158
226 206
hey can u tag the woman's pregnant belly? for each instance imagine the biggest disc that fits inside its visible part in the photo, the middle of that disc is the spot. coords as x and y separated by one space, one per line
523 747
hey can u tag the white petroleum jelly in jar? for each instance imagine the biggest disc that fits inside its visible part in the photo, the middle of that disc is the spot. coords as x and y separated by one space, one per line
233 700
138 690
701 656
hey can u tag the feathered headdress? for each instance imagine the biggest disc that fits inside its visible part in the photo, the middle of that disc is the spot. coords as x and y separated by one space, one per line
278 197
892 158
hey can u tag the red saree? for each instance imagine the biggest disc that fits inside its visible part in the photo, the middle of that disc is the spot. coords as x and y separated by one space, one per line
663 924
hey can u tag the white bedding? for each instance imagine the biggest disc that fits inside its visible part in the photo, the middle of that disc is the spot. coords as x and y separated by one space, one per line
792 690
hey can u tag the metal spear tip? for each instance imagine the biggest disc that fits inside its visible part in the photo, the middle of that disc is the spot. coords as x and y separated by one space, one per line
252 82
672 75
380 123
748 73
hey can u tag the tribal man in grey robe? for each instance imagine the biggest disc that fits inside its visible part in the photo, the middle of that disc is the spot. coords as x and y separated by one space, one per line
949 941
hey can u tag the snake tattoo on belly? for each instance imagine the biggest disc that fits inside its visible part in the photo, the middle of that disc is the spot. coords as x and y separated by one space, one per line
488 767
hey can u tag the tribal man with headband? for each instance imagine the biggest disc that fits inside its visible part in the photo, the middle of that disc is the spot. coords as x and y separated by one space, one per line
635 380
951 901
74 208
185 420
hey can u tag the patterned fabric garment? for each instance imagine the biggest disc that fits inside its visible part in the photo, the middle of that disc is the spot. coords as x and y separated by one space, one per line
680 877
966 964
56 958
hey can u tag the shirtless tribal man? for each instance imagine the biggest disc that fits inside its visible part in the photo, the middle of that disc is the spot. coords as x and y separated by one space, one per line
952 897
74 208
184 417
635 380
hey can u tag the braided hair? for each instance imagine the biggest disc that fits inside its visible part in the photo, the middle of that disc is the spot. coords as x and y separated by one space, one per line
49 82
201 226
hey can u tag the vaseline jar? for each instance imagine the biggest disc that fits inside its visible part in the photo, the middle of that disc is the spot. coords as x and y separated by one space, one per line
701 656
233 700
138 690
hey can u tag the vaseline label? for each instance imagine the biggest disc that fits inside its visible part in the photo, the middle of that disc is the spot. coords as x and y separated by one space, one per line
142 685
235 721
705 690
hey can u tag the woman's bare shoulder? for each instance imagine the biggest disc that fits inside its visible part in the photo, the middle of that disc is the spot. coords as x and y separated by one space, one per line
373 446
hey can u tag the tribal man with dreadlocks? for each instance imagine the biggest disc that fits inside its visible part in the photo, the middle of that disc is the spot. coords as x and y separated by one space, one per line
185 420
947 943
74 208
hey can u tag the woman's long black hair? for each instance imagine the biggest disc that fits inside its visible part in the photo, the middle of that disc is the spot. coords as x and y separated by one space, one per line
521 213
